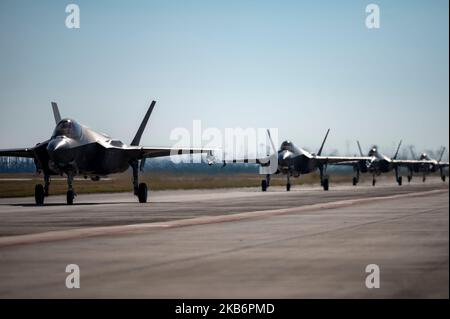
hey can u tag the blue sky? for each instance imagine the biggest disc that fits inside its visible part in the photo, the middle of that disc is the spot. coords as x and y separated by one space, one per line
300 66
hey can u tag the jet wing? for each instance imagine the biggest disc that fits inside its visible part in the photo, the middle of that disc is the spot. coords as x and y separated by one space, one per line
261 161
341 160
411 162
18 152
139 152
443 164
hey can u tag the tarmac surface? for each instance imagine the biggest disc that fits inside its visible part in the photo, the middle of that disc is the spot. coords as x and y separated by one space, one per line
231 243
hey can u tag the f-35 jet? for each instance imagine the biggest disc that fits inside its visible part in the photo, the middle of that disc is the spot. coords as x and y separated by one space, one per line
74 149
294 161
425 165
378 164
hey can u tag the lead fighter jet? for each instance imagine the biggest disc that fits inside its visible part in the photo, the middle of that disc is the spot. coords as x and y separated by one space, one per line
74 149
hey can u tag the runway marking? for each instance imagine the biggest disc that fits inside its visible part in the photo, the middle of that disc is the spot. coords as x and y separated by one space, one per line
81 233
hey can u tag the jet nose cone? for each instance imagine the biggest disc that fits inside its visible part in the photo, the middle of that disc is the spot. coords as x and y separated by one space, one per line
58 150
284 158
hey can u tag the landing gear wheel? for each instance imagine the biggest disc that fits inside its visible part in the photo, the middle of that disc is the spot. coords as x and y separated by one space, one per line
288 187
409 179
39 194
374 181
443 177
355 181
263 185
142 193
70 197
400 181
424 179
326 184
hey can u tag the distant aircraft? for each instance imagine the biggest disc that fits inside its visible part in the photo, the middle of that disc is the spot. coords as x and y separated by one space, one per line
74 149
425 165
294 161
379 163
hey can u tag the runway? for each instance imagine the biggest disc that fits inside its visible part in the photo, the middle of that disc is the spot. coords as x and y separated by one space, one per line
238 243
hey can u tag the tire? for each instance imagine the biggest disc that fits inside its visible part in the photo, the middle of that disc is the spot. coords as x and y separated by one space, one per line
142 193
326 184
409 179
264 185
400 181
374 182
70 197
355 181
39 194
288 187
443 177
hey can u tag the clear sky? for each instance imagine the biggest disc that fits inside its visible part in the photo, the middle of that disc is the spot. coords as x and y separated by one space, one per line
301 66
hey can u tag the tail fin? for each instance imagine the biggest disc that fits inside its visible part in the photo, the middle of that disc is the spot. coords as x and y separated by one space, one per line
323 143
398 149
137 138
360 150
56 113
442 154
413 154
271 142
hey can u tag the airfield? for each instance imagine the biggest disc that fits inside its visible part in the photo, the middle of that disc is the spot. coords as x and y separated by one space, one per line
231 243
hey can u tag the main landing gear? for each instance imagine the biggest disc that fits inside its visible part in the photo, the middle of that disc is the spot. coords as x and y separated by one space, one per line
265 183
324 178
356 177
398 178
140 189
41 191
374 180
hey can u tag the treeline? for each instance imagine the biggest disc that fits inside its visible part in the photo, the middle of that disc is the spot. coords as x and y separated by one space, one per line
17 165
26 165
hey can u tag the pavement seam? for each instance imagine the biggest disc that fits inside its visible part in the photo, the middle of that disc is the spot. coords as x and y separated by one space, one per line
81 233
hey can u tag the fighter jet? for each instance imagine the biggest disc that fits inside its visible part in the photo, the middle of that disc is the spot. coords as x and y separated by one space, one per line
377 164
425 165
294 161
74 149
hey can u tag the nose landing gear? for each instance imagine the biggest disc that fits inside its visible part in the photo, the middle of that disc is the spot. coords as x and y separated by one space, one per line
70 192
